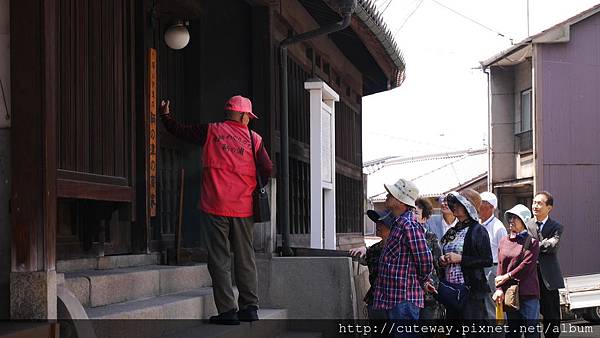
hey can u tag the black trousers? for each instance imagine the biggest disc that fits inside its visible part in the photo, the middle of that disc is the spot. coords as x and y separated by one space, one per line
550 309
474 314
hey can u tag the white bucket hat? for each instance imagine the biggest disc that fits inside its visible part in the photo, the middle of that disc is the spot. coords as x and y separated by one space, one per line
471 209
520 211
404 191
490 198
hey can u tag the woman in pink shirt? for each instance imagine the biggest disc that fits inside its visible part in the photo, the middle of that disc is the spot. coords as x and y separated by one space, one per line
517 257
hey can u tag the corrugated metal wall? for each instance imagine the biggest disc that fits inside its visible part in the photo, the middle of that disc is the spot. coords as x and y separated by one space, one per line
567 131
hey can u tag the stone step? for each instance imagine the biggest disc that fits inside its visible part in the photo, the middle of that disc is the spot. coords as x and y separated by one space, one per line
191 304
107 262
95 288
272 323
300 334
23 329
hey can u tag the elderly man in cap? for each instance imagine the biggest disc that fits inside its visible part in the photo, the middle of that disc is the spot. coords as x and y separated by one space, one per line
405 257
370 256
496 231
229 177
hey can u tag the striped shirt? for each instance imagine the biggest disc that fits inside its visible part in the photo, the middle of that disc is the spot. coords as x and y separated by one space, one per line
404 266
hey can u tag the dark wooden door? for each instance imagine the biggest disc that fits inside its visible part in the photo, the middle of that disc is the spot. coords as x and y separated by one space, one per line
96 121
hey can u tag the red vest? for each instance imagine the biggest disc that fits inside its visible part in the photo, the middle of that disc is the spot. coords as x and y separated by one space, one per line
229 175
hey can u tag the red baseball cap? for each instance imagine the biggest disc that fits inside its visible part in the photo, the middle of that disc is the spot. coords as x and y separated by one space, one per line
240 104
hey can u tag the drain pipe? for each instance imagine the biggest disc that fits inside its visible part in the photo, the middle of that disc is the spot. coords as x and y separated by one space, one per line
346 9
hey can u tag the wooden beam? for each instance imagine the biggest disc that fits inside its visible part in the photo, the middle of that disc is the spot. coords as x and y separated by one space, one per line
33 135
94 191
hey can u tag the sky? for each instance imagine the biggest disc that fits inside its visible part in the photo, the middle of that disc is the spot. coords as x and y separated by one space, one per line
442 104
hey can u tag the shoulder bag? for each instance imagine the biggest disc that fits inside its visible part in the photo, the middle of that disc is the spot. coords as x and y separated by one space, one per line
511 295
260 198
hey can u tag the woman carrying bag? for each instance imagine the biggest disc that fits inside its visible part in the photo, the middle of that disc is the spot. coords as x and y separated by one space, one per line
517 285
466 251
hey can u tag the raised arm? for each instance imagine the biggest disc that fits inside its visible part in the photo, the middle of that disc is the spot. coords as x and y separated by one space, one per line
193 133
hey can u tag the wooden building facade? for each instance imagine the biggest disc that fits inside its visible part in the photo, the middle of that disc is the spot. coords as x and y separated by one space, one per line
84 179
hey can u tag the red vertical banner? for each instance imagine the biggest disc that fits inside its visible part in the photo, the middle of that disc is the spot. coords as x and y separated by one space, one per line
152 65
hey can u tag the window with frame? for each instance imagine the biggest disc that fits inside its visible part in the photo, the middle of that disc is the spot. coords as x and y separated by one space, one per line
526 110
524 134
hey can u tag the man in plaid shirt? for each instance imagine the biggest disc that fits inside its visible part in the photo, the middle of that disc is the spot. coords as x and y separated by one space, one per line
406 262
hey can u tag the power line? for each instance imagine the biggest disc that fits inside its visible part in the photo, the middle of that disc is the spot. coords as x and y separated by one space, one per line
472 20
386 6
408 17
409 140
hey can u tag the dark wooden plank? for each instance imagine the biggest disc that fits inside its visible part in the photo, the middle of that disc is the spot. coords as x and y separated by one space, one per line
130 108
108 83
143 39
95 88
93 191
47 252
34 134
118 90
92 178
82 88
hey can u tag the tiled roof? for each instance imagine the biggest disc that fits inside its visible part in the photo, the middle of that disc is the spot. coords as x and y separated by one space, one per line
367 12
433 174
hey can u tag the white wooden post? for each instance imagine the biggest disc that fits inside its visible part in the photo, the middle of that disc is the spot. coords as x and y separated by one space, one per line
322 164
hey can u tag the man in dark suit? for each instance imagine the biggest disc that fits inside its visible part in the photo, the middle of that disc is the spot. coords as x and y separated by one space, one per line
547 231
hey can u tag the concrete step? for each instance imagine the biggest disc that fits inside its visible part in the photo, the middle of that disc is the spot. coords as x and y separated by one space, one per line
300 334
107 262
95 288
23 329
191 304
272 323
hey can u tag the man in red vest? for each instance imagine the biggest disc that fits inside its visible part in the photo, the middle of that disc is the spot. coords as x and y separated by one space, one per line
228 180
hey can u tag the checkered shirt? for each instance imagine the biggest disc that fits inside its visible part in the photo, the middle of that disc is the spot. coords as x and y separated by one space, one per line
405 265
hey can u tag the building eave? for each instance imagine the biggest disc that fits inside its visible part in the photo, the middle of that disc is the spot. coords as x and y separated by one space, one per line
367 12
368 43
559 33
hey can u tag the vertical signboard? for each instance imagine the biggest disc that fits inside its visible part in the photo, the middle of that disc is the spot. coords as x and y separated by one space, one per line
322 164
152 135
326 145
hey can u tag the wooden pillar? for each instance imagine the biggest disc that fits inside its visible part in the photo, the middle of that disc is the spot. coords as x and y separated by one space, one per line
263 86
33 159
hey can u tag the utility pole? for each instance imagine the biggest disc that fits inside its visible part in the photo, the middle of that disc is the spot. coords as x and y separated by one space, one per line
527 17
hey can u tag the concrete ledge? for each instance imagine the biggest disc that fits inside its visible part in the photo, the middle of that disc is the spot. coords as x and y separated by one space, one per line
121 287
309 287
194 304
179 278
269 326
107 262
103 287
80 287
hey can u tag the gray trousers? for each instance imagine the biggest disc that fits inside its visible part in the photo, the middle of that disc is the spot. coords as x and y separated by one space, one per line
223 236
490 274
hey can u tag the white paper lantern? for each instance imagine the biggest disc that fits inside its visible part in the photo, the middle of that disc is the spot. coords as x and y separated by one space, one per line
177 36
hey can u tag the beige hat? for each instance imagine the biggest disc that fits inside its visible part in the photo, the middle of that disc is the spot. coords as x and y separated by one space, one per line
404 191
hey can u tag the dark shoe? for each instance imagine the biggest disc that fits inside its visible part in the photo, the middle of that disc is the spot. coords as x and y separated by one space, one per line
249 314
226 318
